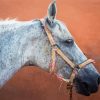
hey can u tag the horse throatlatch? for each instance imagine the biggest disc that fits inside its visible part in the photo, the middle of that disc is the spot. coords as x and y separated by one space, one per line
57 50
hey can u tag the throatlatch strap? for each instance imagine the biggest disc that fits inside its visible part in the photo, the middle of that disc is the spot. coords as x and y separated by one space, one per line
53 62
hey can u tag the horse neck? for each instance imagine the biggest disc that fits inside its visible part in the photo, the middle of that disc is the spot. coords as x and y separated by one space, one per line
14 41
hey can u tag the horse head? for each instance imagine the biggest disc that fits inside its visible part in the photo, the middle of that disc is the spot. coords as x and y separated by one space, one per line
88 79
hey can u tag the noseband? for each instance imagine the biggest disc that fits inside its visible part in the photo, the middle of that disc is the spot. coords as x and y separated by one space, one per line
57 50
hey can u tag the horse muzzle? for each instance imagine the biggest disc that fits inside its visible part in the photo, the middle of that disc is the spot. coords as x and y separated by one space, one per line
87 83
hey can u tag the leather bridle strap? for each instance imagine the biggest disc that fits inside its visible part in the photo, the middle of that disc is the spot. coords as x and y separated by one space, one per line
55 49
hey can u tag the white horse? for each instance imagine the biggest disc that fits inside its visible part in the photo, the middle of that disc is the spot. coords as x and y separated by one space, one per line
26 43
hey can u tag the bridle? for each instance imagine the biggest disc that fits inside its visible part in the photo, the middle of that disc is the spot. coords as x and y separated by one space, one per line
57 50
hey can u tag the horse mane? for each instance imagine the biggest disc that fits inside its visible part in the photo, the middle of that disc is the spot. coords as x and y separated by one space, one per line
8 20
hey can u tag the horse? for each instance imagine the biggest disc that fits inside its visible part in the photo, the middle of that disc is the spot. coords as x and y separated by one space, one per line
25 43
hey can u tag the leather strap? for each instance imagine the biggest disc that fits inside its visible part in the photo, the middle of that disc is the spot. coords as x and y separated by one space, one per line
57 50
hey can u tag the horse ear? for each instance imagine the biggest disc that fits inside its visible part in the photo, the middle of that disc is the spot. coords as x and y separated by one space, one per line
52 10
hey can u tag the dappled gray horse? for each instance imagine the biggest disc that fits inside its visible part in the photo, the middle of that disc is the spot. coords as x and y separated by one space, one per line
26 43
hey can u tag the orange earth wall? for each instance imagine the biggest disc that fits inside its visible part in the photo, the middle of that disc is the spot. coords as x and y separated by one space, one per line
83 20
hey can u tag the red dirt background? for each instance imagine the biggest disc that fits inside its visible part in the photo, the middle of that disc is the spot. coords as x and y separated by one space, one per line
83 20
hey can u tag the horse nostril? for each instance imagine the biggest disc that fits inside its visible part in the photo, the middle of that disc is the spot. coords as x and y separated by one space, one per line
86 85
98 80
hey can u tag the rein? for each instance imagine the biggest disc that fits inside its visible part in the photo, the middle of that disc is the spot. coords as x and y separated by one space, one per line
57 50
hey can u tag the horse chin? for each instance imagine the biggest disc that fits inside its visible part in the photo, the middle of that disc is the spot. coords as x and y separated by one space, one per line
80 89
85 93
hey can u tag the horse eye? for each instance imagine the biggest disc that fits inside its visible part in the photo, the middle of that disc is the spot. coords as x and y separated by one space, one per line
69 42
